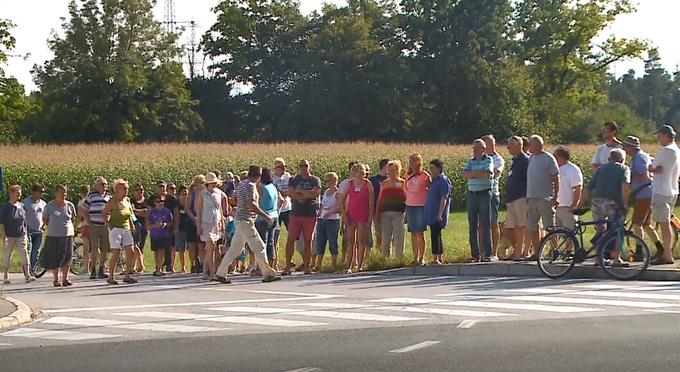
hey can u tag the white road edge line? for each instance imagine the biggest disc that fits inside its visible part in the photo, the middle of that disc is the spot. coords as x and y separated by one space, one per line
468 323
305 369
415 347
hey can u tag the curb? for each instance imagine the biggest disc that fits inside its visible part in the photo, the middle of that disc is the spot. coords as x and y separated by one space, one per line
519 270
21 315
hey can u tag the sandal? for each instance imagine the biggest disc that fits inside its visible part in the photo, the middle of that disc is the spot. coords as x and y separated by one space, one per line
56 283
66 283
129 280
6 281
112 281
286 271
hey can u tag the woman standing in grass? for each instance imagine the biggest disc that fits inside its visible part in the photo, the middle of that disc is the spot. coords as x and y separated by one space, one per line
437 208
181 226
358 213
210 222
118 217
417 184
328 226
140 207
391 210
59 216
193 240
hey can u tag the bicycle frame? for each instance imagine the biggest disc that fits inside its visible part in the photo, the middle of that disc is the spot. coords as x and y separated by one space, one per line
615 226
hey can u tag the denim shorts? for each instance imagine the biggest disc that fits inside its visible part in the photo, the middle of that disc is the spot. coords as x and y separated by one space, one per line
415 219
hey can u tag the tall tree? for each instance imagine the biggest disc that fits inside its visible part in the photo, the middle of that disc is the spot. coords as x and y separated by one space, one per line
114 78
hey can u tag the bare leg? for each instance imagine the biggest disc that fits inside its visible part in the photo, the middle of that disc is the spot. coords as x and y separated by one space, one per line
129 261
495 237
362 236
158 259
518 244
113 262
351 239
667 238
208 260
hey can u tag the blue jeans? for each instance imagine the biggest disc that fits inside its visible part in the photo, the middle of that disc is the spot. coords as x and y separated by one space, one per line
267 233
478 210
327 232
35 241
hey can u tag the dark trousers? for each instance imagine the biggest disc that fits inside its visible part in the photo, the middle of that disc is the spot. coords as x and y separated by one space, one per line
436 238
478 210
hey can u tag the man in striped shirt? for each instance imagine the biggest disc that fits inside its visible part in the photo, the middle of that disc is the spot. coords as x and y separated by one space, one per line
247 209
99 234
478 172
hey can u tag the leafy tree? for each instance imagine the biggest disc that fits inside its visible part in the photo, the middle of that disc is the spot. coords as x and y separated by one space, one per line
113 77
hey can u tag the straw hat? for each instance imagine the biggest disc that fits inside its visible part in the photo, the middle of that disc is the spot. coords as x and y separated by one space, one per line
211 177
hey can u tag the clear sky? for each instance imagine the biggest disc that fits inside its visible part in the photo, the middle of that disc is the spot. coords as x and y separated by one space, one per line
655 21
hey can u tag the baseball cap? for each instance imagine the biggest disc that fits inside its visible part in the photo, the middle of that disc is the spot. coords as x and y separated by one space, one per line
666 129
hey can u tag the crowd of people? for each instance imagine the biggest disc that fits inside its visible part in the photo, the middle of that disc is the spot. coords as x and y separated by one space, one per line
211 226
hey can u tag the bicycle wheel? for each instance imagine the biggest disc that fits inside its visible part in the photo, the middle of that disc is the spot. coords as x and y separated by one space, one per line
78 263
556 253
634 254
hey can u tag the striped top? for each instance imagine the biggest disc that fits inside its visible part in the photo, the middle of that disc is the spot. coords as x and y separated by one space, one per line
246 192
392 199
485 164
95 203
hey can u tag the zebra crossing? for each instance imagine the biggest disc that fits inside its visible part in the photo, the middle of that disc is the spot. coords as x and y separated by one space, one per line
463 307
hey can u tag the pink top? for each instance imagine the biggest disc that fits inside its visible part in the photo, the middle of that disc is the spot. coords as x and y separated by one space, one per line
358 207
416 189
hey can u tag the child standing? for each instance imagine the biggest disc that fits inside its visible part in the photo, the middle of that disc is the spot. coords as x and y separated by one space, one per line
159 221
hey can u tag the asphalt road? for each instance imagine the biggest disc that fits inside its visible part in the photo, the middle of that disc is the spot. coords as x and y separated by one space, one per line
340 323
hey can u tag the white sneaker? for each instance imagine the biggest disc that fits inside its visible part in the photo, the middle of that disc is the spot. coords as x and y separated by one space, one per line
30 279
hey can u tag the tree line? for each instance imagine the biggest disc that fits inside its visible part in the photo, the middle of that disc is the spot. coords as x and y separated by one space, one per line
382 70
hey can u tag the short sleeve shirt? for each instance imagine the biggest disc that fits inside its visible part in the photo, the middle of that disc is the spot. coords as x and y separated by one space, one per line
542 167
498 167
281 183
666 182
440 188
377 181
640 166
570 177
95 203
60 219
516 183
156 217
34 213
307 207
246 192
601 156
13 217
607 181
485 164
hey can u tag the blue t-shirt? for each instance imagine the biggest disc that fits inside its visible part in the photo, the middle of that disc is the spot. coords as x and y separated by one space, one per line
485 164
13 217
516 184
640 165
269 202
439 188
157 216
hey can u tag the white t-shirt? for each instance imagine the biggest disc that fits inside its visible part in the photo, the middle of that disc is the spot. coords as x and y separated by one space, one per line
498 167
666 182
601 156
570 177
281 183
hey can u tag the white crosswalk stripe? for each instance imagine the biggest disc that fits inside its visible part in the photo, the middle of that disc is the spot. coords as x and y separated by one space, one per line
635 296
408 301
56 334
516 306
589 301
156 327
318 313
438 311
227 319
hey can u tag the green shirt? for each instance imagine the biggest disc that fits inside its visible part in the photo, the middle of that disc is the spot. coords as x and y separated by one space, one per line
120 215
607 181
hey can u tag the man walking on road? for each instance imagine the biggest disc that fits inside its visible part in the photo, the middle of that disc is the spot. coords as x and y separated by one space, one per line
543 187
247 209
571 187
666 170
641 187
609 132
498 166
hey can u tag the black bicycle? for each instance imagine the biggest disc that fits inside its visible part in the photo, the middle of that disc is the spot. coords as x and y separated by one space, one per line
619 252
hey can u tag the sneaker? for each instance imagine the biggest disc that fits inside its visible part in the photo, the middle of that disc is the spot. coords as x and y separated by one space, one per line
101 274
487 259
129 280
93 275
222 280
30 278
270 279
157 273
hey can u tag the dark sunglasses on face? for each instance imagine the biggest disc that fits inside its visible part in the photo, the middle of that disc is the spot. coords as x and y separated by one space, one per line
304 165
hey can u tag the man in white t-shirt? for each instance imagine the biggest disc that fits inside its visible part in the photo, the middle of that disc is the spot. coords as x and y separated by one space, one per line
571 188
609 132
666 170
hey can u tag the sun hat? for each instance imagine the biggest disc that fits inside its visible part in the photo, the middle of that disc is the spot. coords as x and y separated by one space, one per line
632 141
211 177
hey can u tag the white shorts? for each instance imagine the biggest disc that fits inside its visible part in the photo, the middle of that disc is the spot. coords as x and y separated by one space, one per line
120 238
662 207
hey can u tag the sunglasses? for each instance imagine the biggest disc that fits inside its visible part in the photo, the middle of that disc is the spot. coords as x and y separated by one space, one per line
304 165
160 201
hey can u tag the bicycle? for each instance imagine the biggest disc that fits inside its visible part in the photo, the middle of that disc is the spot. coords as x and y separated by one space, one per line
561 249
